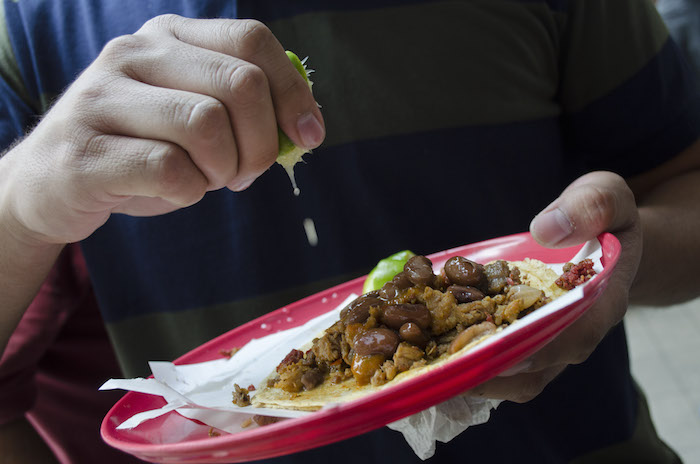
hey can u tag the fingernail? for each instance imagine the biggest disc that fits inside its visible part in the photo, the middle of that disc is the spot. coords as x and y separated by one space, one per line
551 227
517 369
310 130
243 185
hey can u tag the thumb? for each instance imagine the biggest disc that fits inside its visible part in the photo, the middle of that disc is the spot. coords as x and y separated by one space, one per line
594 203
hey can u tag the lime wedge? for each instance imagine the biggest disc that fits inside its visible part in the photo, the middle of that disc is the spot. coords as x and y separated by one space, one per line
289 154
301 69
385 270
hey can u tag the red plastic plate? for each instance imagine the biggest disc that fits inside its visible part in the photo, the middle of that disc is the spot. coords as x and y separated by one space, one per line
173 438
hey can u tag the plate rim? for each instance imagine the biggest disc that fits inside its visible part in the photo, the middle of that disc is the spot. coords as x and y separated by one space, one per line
611 251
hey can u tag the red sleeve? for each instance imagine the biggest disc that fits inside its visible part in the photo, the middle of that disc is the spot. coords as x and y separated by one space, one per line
59 296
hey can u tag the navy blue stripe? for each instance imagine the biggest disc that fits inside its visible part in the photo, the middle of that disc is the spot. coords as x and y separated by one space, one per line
368 200
607 132
15 116
55 40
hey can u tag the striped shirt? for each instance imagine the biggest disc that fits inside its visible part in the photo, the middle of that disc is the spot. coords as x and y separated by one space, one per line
448 122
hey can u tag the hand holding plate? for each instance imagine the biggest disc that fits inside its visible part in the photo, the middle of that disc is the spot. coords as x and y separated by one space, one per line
595 203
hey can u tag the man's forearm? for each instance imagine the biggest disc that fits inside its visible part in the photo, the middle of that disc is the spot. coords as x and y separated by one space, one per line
670 215
24 264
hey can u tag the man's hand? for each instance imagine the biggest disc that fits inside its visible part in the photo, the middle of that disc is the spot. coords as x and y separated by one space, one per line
162 116
594 203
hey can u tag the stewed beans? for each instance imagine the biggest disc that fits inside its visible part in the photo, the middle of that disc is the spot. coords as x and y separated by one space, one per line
465 294
462 271
395 316
416 317
419 270
358 310
376 341
412 333
393 288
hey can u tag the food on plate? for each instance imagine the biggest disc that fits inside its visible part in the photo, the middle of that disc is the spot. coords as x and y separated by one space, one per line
576 274
412 323
241 396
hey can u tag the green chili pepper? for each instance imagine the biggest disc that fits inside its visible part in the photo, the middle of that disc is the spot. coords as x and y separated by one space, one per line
385 270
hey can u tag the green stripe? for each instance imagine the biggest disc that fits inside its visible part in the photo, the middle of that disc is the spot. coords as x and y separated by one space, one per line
468 63
607 43
168 335
9 69
428 52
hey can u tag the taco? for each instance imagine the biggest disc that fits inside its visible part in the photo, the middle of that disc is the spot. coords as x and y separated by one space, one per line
415 322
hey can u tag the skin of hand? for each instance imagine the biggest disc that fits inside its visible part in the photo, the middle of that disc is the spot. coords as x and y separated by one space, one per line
599 202
179 108
162 116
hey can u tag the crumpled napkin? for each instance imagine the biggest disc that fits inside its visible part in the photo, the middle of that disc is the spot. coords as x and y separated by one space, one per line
443 422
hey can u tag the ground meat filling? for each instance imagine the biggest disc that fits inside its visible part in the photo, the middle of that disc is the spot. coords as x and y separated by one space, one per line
575 274
412 320
241 396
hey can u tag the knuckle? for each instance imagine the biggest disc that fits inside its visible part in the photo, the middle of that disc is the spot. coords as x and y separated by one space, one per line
88 102
85 149
248 85
251 36
87 96
174 174
206 119
259 161
95 145
529 391
599 206
163 22
168 165
121 47
295 86
582 355
263 160
525 397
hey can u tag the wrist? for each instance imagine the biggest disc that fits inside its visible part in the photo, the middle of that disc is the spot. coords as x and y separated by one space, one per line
25 259
12 228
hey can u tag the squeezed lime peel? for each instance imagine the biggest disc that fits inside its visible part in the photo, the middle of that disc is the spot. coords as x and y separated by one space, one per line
385 270
289 154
